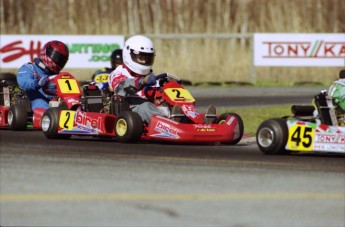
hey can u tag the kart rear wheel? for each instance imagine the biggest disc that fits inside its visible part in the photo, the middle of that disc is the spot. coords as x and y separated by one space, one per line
17 117
7 82
272 135
50 124
10 78
239 129
128 127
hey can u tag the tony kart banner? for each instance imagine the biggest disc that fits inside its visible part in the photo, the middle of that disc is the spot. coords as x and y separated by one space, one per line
86 51
299 49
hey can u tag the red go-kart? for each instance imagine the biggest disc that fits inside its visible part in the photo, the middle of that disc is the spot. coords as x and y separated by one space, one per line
127 126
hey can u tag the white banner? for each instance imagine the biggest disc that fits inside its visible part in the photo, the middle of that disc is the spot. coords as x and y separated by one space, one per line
299 49
86 51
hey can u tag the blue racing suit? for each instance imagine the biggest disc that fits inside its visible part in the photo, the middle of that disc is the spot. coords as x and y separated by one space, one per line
28 77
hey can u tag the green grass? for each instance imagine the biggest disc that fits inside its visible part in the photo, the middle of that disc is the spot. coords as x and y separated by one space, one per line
253 116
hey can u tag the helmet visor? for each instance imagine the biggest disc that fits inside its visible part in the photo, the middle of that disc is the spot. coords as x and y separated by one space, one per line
58 58
142 57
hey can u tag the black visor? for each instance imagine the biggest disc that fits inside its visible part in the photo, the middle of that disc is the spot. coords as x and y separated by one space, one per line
142 57
58 58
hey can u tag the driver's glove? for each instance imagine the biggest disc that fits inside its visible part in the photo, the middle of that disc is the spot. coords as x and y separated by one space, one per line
42 82
51 88
149 80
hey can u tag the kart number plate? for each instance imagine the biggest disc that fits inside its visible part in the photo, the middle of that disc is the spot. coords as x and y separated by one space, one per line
101 78
68 86
67 119
179 95
301 138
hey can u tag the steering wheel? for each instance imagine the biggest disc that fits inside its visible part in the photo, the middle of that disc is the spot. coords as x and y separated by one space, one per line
162 78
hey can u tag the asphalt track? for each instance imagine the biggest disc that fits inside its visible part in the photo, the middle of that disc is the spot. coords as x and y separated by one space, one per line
240 97
87 182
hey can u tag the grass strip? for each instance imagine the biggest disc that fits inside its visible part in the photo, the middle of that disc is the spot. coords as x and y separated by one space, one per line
253 116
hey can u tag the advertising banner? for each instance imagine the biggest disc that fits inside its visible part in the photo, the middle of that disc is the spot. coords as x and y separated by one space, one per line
299 49
86 51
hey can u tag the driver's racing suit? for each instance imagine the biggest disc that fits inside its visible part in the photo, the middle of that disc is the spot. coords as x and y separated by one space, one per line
125 83
337 91
27 77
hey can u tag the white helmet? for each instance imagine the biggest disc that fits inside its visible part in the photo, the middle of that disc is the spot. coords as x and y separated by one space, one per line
139 54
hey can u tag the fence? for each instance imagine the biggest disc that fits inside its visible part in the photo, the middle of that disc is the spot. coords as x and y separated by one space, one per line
219 57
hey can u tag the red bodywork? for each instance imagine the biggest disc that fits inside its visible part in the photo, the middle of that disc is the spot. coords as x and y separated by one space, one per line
160 128
86 123
168 130
3 116
67 89
4 109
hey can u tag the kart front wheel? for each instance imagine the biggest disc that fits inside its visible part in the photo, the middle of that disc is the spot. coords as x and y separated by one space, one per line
50 124
272 135
17 117
239 128
128 127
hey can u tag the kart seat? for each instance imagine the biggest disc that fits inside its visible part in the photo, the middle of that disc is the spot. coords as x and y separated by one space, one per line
93 101
302 110
118 105
325 108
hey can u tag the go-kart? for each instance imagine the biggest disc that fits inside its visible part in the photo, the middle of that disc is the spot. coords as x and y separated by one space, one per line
66 96
318 128
15 108
75 113
127 126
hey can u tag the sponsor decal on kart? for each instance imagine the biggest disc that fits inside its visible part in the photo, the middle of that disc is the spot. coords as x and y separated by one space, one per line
78 122
308 136
165 131
231 119
204 128
190 111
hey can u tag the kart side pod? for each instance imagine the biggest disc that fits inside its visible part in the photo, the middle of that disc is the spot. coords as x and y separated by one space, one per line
228 130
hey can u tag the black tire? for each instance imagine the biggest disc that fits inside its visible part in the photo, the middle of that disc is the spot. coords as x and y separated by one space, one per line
10 78
272 136
221 120
50 124
24 101
128 127
17 117
6 80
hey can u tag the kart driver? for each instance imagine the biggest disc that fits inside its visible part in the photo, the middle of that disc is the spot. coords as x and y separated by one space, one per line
337 92
134 78
33 77
115 61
